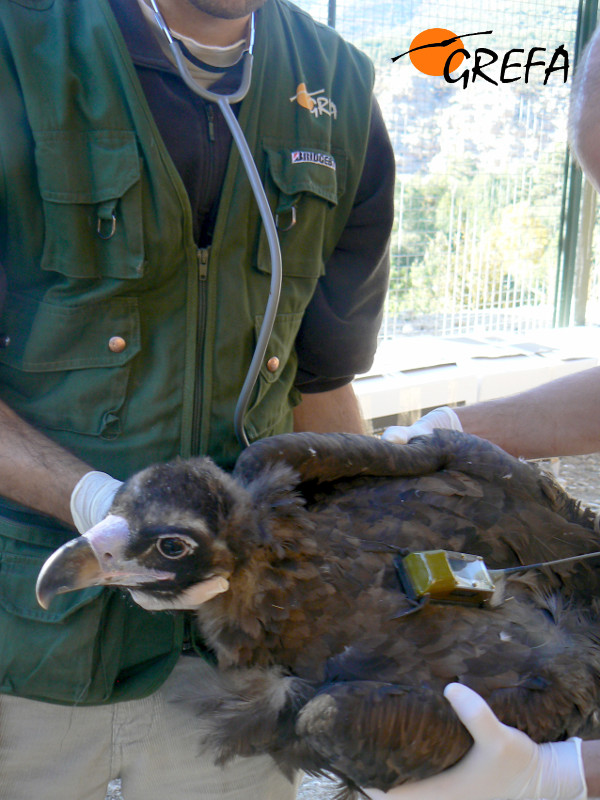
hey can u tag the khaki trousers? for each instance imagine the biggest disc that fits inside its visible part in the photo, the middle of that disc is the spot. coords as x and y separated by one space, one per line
52 752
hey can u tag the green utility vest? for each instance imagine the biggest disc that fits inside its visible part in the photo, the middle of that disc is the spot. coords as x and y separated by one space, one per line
123 342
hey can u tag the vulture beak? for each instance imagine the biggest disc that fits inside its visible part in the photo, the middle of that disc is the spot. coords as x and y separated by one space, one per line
94 559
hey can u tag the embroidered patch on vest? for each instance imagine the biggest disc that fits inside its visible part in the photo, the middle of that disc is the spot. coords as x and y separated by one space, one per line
303 156
315 102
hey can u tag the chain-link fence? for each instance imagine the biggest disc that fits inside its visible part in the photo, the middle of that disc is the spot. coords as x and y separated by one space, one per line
480 161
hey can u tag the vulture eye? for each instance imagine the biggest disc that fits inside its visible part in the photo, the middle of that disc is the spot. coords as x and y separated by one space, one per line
173 547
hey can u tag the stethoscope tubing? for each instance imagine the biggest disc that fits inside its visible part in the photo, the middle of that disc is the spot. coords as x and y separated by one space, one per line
225 102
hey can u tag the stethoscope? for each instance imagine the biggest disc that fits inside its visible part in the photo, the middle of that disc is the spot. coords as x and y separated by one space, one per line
224 102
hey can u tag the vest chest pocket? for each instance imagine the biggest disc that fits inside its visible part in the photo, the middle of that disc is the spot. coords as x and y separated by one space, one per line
68 368
90 184
303 185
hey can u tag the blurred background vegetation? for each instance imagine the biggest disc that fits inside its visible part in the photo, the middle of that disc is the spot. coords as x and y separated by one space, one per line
494 228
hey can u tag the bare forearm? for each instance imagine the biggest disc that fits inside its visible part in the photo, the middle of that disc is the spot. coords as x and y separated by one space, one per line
584 121
590 753
329 412
34 470
559 418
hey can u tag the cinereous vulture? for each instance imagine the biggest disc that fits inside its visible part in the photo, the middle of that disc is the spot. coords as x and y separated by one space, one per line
327 658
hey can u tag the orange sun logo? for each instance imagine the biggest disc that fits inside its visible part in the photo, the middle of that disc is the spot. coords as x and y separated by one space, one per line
430 50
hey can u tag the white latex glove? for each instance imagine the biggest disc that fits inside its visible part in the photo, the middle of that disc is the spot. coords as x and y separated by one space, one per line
442 417
503 763
91 499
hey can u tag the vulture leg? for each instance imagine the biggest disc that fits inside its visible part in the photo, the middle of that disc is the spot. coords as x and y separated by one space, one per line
248 712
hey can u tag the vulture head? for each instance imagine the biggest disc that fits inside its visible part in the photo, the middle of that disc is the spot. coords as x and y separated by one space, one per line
173 537
327 658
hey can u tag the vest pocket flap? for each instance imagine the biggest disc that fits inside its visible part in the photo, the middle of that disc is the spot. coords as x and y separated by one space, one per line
310 169
38 5
17 590
19 523
45 338
303 187
86 167
91 189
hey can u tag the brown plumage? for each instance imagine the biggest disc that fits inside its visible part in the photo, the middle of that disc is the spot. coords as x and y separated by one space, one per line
320 663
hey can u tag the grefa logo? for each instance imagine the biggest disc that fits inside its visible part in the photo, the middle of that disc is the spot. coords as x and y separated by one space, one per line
439 51
315 102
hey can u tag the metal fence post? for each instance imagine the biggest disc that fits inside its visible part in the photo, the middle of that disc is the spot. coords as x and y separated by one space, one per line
331 13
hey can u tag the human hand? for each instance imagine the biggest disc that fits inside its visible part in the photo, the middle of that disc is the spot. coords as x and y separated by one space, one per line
442 417
503 763
91 499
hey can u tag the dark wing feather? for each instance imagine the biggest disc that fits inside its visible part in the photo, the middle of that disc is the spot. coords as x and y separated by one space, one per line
380 719
325 457
371 732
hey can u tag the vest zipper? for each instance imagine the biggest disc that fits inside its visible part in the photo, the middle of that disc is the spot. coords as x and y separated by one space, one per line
202 256
210 116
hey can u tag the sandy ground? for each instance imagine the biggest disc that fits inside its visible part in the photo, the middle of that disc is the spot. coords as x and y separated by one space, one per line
581 477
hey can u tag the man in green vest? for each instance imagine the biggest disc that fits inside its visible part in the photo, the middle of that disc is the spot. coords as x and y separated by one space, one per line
137 272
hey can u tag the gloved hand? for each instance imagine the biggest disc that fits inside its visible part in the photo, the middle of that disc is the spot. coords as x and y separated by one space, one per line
503 763
91 499
442 417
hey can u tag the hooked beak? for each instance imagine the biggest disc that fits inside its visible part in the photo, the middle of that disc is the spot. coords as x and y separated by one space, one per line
94 559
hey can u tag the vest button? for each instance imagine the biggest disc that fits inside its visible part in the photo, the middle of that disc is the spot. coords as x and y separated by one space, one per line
4 341
273 364
116 344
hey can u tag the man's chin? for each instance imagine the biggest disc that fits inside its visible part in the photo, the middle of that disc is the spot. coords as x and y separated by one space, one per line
228 9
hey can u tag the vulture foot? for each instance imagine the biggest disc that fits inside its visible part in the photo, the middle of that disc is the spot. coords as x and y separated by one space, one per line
247 712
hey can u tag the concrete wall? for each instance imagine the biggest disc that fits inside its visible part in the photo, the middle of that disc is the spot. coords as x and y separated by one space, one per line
412 374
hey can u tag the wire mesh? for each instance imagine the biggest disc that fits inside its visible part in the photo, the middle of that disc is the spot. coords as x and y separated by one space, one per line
479 166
